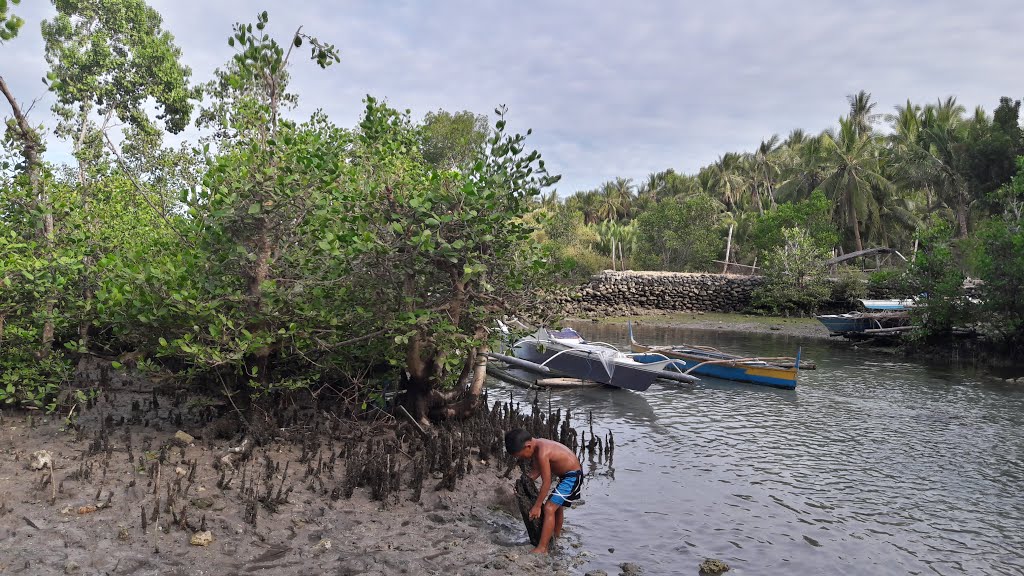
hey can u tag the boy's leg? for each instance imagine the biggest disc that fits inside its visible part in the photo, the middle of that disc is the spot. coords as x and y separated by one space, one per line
559 517
548 529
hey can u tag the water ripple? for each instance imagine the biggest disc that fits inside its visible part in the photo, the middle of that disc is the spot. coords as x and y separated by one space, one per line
873 466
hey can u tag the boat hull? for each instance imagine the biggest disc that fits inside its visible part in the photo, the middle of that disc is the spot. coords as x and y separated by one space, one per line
859 322
891 304
752 373
587 365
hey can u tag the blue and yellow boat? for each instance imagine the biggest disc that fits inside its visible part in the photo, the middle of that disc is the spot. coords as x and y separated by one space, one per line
777 372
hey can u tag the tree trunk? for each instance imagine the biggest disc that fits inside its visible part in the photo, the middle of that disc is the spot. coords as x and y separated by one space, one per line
259 274
961 213
417 398
46 342
417 381
88 262
476 386
31 148
856 228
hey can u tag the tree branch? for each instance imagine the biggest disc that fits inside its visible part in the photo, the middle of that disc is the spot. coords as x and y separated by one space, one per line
124 166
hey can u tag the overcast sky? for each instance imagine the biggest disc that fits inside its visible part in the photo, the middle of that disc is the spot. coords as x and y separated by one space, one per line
611 88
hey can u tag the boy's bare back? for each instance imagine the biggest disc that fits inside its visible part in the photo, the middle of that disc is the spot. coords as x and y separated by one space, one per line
560 459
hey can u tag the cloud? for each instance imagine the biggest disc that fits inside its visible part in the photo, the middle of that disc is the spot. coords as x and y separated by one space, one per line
613 88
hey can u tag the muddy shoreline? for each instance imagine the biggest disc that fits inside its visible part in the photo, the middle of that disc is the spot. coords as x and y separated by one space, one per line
137 476
145 484
94 526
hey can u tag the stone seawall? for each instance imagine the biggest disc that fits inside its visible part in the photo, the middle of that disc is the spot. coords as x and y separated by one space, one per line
615 293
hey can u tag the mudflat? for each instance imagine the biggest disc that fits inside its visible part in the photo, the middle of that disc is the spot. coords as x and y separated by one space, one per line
127 487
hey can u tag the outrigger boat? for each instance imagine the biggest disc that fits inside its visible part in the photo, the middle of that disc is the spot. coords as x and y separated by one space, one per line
890 304
777 372
866 323
567 353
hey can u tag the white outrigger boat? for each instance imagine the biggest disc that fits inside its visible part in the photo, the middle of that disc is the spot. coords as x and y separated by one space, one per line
567 353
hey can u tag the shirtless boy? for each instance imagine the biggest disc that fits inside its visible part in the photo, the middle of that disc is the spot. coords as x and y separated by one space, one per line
548 458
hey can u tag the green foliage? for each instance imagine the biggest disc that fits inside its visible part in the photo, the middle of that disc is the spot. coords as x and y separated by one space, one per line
570 244
453 141
814 215
456 251
9 23
999 261
935 275
29 375
115 54
314 254
1009 198
227 289
678 235
888 283
795 277
848 285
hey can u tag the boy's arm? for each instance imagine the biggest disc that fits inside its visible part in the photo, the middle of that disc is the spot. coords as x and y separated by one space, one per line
543 467
534 470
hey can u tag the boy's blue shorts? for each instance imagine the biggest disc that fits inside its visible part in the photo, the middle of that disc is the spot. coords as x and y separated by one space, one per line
567 490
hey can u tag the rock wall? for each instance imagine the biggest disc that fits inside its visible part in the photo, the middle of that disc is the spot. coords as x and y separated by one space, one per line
616 293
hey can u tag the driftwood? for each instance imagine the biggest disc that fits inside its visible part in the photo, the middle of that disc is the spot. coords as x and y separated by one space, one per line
526 496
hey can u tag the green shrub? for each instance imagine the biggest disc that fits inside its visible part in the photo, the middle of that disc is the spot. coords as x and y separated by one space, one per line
795 276
576 264
935 275
888 283
679 235
1000 262
848 285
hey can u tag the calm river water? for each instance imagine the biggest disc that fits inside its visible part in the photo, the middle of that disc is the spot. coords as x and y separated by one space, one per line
874 465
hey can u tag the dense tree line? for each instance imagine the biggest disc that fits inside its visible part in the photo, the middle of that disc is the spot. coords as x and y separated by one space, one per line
273 254
277 253
934 182
884 176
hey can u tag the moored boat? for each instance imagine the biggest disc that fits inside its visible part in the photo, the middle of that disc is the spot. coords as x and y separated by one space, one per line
777 372
567 353
864 322
889 304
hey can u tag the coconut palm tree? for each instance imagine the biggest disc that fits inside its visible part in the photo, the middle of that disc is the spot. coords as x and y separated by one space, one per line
587 203
726 181
853 173
615 198
907 159
942 142
765 170
653 187
862 113
805 167
795 139
623 191
549 200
